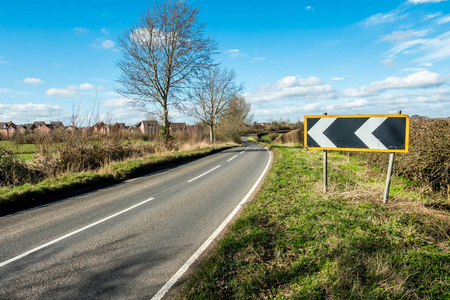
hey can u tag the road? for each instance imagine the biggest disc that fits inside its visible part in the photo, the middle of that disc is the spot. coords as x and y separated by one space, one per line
129 241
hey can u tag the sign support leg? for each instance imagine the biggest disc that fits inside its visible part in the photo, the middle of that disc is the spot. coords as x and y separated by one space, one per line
325 167
388 177
325 170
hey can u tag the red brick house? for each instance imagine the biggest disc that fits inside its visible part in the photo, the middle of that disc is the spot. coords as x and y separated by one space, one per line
40 126
7 128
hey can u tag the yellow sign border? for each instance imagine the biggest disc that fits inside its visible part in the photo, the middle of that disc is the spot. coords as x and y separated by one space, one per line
358 116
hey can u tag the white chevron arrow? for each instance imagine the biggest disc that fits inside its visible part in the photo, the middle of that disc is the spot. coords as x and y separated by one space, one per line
365 133
316 132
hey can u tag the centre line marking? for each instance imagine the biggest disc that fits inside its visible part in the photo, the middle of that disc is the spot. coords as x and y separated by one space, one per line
232 158
70 234
204 173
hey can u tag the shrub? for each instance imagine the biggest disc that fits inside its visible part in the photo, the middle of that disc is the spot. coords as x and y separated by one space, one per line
272 136
14 171
428 159
292 137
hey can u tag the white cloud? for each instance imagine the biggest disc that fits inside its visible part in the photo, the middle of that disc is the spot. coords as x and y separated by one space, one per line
432 16
63 93
114 103
80 30
144 36
108 44
87 87
389 63
293 87
102 43
422 79
72 91
30 80
337 78
383 18
105 31
407 46
21 113
235 53
398 36
425 1
437 48
445 19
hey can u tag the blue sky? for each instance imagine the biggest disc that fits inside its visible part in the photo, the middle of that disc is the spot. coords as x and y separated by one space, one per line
296 58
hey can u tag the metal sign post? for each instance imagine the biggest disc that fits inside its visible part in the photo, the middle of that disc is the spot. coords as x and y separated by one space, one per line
389 173
376 133
325 167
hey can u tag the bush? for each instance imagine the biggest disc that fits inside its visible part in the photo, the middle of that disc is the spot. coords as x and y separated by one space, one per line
14 171
428 159
292 137
272 136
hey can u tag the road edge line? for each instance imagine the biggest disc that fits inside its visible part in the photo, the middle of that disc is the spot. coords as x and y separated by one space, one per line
166 287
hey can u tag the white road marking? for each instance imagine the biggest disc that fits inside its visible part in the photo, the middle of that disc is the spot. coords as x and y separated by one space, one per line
232 158
242 152
70 234
205 245
204 173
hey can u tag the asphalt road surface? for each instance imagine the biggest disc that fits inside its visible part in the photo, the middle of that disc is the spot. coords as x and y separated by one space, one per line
129 241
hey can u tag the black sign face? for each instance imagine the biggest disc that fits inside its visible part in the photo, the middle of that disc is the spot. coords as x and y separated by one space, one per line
380 133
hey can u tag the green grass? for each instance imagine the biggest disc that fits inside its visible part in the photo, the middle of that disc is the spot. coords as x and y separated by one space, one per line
294 242
18 148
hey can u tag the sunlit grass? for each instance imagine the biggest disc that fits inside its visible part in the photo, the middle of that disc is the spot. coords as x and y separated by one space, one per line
294 242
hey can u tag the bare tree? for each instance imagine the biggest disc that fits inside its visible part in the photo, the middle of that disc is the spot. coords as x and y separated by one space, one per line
235 118
212 95
162 54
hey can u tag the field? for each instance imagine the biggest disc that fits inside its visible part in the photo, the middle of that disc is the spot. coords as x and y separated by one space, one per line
25 151
294 242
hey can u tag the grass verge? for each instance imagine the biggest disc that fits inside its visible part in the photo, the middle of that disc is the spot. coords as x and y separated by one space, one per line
294 242
31 195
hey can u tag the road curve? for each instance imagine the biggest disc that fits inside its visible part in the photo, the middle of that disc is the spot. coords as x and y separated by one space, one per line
128 241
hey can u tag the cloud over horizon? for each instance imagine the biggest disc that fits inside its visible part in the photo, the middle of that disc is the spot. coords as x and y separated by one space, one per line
421 79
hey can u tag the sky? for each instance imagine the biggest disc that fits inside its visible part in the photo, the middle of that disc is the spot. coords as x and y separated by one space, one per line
295 58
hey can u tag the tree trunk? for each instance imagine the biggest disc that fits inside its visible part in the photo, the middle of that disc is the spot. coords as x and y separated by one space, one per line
211 133
165 129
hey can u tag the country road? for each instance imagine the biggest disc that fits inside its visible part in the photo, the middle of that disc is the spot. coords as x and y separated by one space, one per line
128 241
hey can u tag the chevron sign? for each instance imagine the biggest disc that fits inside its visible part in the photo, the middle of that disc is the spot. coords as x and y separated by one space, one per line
378 133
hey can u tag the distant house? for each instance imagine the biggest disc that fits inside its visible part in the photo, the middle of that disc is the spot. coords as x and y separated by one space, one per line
195 130
148 127
40 126
115 128
20 129
7 128
56 125
99 127
178 127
